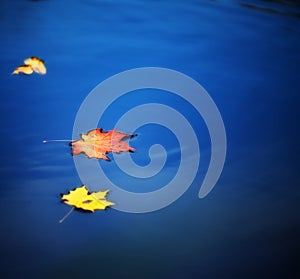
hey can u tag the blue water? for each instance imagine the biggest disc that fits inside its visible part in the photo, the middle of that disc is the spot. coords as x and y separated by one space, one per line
246 54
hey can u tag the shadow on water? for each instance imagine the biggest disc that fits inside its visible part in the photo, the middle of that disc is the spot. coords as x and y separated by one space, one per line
284 8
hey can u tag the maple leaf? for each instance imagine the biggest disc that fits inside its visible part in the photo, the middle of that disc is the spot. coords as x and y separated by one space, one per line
32 64
81 198
96 143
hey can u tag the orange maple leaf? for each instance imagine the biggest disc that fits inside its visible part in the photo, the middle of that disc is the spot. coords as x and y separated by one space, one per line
96 143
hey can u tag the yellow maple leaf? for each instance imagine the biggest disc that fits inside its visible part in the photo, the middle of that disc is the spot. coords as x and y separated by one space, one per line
82 198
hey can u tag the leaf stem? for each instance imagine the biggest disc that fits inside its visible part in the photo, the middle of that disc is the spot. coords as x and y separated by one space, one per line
67 215
45 141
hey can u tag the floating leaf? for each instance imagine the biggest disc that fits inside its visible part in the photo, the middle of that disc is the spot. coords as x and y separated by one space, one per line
81 198
96 143
37 64
32 64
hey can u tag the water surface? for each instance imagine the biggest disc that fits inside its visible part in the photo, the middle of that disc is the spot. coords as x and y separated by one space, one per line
245 54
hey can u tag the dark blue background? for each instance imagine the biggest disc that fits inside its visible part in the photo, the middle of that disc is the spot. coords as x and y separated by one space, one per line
246 55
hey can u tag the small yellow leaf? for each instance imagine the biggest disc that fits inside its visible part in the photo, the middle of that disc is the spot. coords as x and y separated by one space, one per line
81 198
37 65
32 64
